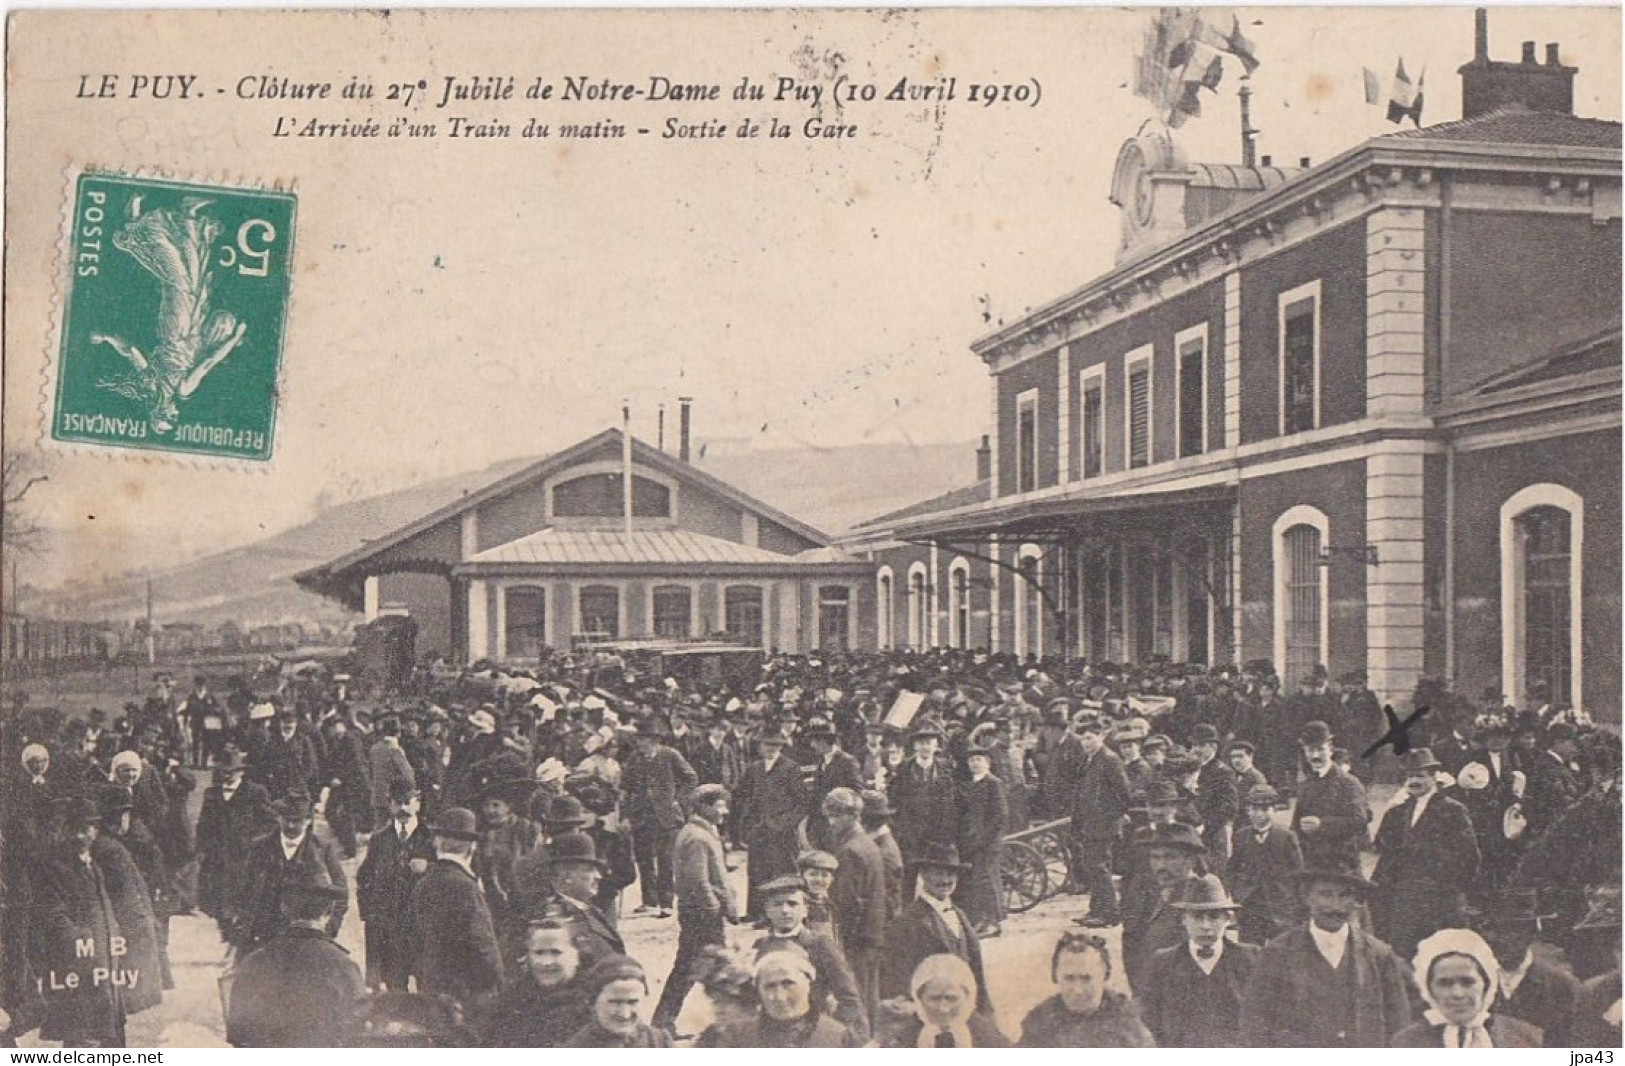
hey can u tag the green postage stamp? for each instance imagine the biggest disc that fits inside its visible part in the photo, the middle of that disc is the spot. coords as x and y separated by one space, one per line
174 317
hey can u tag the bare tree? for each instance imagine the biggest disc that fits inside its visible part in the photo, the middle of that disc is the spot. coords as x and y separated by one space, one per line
20 527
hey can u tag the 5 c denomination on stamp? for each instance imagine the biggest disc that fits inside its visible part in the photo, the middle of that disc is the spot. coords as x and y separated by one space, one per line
174 317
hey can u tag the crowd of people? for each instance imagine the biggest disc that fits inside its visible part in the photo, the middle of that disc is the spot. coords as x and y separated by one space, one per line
1230 883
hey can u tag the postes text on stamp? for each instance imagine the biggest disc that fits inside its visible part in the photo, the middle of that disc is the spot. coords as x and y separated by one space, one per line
174 318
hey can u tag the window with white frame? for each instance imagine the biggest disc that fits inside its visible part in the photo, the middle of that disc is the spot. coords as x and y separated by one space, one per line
1137 401
672 607
742 614
1302 594
919 607
834 617
1029 601
1190 370
600 607
1299 311
1542 539
959 603
1092 421
1027 441
885 631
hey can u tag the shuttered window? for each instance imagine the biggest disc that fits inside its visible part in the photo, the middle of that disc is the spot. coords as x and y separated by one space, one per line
1139 414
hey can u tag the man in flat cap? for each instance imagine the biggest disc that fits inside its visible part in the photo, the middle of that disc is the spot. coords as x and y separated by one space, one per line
705 899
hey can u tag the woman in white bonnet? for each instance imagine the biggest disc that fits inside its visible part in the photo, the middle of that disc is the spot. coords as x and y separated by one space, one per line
1456 972
944 993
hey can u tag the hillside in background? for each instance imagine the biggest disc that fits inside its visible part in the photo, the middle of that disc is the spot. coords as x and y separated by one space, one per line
830 489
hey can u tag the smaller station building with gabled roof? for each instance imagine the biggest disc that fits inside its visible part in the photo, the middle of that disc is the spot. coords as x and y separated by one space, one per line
544 557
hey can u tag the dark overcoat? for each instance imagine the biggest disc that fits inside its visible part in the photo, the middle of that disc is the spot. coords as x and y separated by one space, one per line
76 904
919 932
1423 871
226 831
1277 1010
456 942
1184 1007
298 990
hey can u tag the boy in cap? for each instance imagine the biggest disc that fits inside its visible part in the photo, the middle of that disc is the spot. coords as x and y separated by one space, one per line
1266 856
817 870
785 904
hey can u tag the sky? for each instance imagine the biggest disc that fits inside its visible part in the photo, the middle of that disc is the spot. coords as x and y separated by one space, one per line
456 303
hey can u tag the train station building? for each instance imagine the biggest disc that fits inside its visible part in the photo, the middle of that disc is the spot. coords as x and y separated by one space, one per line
547 556
1363 413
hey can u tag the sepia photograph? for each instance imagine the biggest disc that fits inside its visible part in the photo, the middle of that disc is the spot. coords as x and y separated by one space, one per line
976 527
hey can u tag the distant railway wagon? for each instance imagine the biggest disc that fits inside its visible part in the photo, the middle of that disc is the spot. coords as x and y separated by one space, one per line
689 663
36 644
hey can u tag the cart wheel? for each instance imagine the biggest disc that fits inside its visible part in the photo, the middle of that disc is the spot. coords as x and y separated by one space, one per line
1052 847
1022 877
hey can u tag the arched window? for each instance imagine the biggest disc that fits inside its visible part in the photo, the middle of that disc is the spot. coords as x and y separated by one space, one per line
1302 594
959 603
526 619
742 614
1029 601
601 496
1542 534
600 612
672 607
919 607
885 633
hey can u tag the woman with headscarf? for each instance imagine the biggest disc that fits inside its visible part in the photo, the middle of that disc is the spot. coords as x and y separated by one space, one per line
618 990
1456 973
787 1015
1083 1012
944 993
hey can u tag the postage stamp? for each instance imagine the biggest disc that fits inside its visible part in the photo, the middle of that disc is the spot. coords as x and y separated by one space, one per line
174 317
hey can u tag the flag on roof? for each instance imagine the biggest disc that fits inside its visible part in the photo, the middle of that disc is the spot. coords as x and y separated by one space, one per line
1373 86
1405 99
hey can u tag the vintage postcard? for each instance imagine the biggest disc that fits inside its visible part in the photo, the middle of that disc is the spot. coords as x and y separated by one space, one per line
976 527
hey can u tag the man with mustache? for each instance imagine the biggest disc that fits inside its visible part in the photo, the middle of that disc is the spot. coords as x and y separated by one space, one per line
1327 983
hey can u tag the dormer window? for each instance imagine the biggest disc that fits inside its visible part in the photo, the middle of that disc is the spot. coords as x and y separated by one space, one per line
600 496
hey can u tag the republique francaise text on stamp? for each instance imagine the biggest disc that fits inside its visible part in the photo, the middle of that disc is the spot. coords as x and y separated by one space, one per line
174 317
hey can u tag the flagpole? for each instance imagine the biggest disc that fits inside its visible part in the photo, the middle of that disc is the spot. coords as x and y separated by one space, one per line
626 468
1249 146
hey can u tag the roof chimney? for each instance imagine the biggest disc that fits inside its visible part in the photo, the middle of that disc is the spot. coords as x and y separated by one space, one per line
984 460
1490 85
683 403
